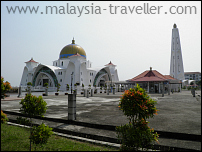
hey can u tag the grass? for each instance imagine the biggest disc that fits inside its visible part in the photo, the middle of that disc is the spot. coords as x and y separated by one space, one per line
14 138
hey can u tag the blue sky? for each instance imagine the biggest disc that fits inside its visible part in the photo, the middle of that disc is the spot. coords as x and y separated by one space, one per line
133 42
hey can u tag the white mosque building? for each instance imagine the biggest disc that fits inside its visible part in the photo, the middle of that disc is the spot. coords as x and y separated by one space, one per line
72 67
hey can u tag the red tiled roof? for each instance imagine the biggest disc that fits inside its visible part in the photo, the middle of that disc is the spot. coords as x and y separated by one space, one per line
149 75
110 63
31 61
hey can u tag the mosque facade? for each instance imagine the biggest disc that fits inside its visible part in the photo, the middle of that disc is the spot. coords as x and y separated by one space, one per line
71 68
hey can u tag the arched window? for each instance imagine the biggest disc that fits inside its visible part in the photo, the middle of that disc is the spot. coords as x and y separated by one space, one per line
56 63
62 63
61 73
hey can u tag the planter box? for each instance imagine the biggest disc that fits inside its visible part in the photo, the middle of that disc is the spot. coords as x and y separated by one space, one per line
44 94
81 92
66 93
57 94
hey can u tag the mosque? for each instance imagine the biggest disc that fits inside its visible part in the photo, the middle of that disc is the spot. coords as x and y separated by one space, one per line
71 68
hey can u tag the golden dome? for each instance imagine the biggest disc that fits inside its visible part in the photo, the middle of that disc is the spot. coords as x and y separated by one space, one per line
72 49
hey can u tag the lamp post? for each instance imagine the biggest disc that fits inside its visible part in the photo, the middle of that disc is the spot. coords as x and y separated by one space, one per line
71 81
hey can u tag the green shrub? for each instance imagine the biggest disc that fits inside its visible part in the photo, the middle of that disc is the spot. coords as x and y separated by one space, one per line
137 106
40 134
4 118
33 106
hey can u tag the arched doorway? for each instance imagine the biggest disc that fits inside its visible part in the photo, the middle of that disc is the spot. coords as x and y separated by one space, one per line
45 75
101 77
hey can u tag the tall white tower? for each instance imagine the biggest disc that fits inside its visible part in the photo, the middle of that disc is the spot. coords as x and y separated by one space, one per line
176 62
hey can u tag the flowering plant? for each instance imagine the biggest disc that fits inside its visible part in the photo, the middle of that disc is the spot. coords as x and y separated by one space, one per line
137 106
5 87
4 118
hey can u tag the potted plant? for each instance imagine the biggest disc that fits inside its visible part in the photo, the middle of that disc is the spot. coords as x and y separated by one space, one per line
67 88
58 87
105 88
46 89
82 89
95 89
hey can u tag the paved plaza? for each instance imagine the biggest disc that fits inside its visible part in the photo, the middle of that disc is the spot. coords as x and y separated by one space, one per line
178 112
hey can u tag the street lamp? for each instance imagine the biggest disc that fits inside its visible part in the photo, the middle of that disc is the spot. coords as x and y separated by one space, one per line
71 81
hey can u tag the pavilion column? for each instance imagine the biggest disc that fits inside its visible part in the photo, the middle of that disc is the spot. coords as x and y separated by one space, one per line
159 87
180 86
168 88
148 87
163 89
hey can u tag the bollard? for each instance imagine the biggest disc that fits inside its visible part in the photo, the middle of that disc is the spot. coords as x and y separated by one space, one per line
71 106
107 91
87 93
91 92
29 90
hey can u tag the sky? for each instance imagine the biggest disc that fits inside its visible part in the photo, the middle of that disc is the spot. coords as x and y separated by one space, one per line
132 35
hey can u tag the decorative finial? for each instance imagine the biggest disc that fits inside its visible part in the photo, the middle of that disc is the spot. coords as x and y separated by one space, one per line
73 41
150 68
32 58
174 26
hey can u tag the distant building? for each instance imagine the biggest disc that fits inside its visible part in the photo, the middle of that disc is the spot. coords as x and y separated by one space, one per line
71 68
192 76
154 82
176 62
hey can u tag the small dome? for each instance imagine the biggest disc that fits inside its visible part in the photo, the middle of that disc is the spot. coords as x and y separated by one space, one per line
72 49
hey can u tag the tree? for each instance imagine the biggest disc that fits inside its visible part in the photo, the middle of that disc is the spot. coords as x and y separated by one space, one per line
137 106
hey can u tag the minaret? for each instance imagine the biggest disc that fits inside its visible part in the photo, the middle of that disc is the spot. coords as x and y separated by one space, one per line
176 62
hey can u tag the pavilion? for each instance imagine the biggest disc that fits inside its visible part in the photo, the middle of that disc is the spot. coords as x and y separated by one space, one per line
154 82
